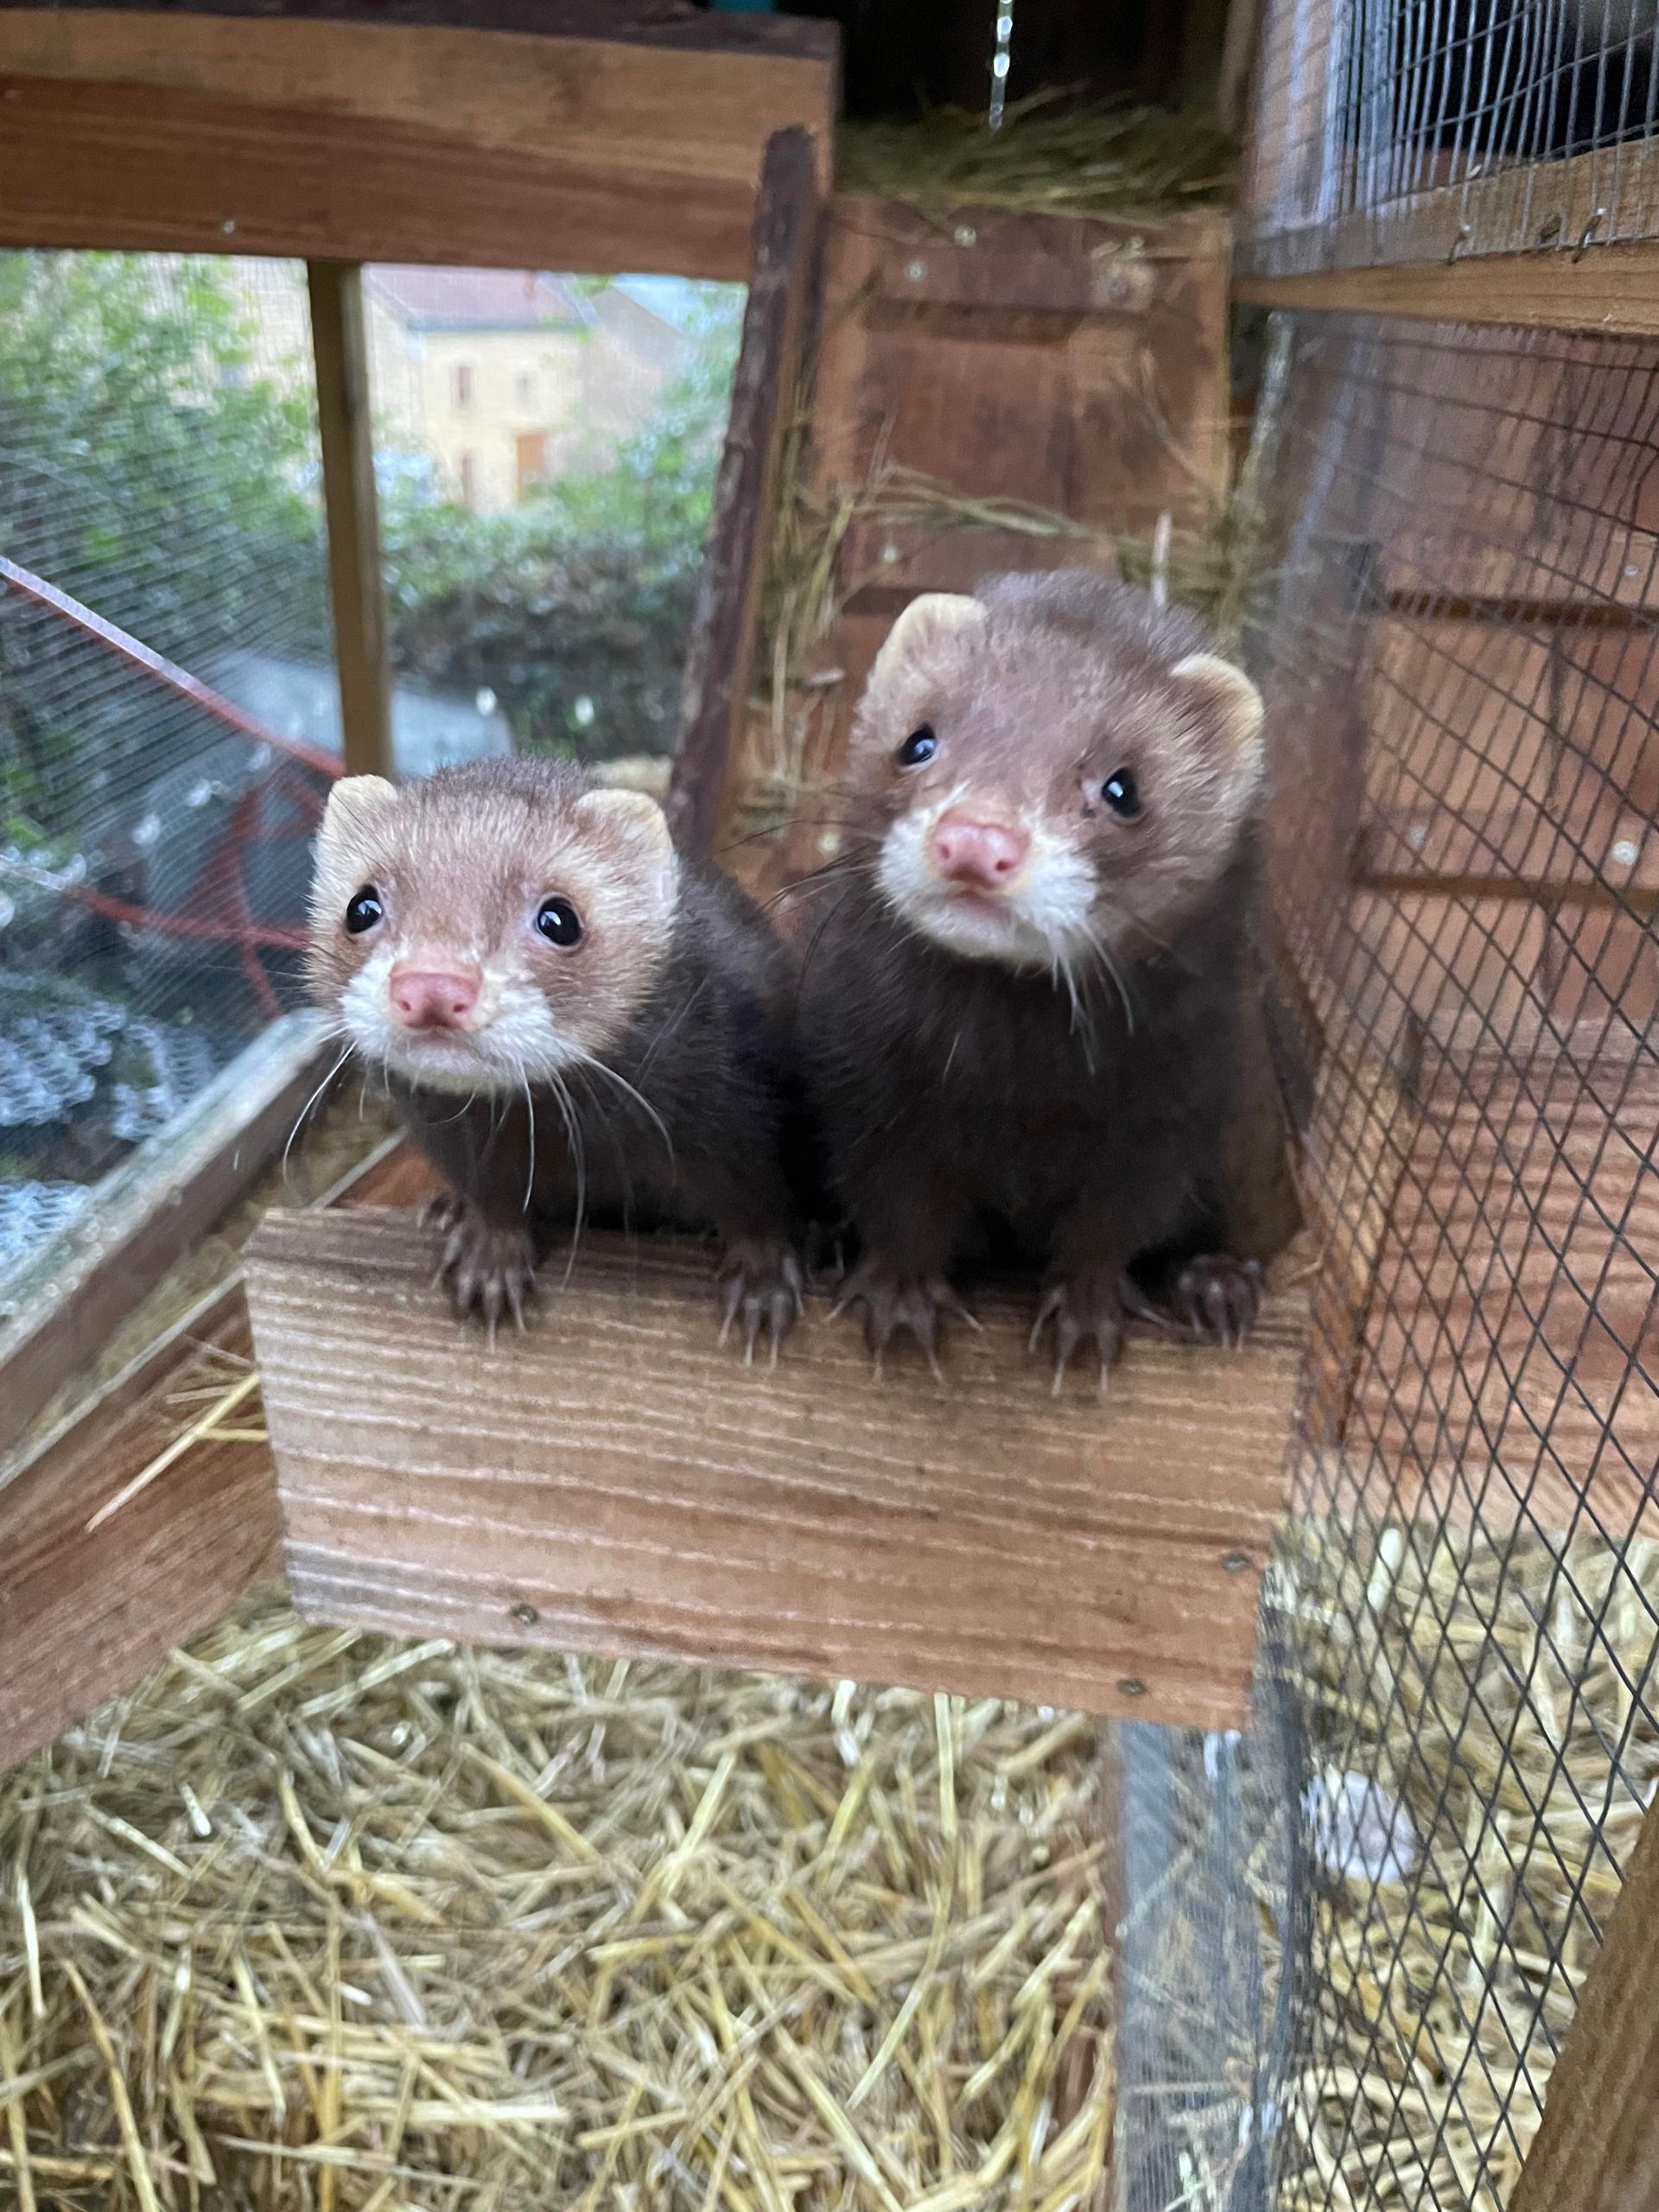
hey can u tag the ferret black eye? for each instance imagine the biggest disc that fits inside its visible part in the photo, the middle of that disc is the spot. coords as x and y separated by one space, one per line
1122 794
363 911
559 922
921 745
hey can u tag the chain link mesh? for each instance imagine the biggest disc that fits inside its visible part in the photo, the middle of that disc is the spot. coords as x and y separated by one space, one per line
1415 129
1459 644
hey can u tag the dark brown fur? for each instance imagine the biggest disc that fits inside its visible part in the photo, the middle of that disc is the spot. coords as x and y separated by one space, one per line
689 1020
974 1109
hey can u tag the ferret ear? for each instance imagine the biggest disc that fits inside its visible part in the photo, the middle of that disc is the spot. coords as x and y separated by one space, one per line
636 814
936 619
1230 697
354 801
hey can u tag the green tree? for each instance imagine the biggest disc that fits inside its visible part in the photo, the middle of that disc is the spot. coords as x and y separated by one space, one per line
575 608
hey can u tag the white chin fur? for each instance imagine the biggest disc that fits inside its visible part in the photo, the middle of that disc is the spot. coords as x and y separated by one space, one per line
1041 921
515 1041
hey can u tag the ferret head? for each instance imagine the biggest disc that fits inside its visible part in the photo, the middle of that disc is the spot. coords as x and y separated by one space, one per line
489 926
1053 768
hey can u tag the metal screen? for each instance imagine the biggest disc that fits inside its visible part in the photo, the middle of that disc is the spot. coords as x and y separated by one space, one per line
163 623
1417 130
1459 644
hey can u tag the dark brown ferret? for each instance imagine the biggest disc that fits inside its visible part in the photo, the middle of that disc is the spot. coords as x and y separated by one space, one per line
573 1021
1017 1004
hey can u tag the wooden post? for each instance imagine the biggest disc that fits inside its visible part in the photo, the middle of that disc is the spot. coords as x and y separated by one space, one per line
763 390
1597 2149
356 583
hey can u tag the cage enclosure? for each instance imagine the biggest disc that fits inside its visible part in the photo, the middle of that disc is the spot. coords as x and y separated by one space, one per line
1364 1874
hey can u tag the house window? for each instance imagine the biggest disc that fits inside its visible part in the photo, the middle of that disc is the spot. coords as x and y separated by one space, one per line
525 386
463 383
469 480
530 454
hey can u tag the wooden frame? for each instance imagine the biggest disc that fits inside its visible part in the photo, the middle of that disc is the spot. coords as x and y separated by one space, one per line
1612 291
154 1208
356 580
763 394
350 140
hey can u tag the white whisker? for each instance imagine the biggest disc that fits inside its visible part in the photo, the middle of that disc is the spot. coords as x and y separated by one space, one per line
305 1109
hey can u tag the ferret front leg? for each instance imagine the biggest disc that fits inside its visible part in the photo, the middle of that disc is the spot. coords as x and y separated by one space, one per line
1088 1296
487 1259
758 1280
910 1223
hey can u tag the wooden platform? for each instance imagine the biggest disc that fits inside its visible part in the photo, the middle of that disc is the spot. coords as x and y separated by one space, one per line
614 1482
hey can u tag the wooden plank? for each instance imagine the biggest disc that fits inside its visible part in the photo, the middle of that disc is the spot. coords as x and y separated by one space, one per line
356 579
884 565
1597 2148
614 1482
617 107
157 171
155 1206
84 1609
764 390
1613 289
672 24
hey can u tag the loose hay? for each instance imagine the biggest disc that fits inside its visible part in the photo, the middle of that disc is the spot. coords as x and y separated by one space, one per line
315 1919
1481 1682
1050 157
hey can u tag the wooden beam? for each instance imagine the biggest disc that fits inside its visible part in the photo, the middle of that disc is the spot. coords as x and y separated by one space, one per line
1597 2148
610 106
157 1205
91 1597
763 391
356 580
1613 290
138 170
614 1482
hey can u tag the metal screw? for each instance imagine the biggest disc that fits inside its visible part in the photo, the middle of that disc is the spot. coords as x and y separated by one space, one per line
1465 231
525 1614
915 271
966 234
1129 1687
1590 230
889 554
227 227
1417 837
1235 1562
1626 853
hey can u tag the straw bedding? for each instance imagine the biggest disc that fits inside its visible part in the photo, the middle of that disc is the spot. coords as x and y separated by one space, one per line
316 1919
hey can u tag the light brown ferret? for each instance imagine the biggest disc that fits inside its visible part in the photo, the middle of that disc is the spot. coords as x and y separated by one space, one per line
573 1021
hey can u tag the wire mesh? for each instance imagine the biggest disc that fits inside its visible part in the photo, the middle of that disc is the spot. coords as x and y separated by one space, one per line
1460 644
160 548
1411 129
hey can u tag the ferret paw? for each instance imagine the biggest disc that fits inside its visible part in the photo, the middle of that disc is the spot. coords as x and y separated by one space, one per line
1219 1298
1086 1307
760 1278
443 1212
487 1270
893 1301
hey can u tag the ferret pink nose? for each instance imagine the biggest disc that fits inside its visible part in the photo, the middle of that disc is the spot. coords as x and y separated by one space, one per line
429 998
986 853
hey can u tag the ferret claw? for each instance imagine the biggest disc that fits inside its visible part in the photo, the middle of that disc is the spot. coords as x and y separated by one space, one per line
1092 1304
893 1301
761 1280
487 1270
1219 1298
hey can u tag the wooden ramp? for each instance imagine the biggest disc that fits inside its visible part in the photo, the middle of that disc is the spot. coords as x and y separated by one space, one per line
612 1482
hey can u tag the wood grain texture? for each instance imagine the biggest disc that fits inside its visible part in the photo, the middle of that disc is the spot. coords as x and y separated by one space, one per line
82 1616
157 1205
643 22
764 387
356 581
154 170
614 1482
621 107
1597 2148
1613 290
